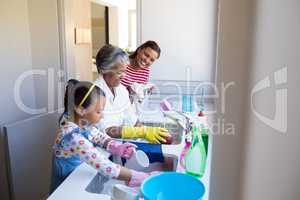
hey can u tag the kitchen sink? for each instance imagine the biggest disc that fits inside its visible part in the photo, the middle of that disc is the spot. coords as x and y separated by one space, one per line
103 185
174 129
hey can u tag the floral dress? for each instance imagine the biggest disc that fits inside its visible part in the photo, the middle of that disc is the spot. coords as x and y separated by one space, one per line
75 145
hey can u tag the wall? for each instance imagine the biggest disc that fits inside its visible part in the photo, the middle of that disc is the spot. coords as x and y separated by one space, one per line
118 20
30 41
232 66
78 57
98 27
132 24
16 58
13 19
118 24
43 24
108 2
272 159
83 52
185 30
256 39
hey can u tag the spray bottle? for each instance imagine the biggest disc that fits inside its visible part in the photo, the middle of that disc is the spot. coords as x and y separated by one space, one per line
195 157
188 141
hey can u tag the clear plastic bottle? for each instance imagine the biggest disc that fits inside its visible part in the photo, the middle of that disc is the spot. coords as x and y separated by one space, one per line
195 157
184 150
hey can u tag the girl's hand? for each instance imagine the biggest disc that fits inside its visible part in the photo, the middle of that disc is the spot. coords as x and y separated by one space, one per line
137 177
125 150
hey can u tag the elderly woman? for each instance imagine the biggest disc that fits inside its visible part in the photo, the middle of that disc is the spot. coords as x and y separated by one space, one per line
119 119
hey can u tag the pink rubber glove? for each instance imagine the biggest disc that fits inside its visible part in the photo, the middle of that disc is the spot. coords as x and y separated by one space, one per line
137 178
125 150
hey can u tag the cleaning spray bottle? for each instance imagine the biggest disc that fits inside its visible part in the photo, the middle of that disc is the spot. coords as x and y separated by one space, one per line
195 157
188 141
202 122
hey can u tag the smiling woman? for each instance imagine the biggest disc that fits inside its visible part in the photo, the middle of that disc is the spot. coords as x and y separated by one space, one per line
140 61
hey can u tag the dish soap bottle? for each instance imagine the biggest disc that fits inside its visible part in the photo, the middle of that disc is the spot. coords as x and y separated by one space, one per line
195 157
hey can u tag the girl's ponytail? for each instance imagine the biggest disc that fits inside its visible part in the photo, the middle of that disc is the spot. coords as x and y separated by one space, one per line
69 88
69 91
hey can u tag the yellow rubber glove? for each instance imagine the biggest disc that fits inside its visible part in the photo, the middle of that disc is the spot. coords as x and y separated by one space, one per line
151 134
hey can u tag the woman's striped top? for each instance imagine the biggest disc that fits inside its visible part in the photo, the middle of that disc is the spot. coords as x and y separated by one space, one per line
132 75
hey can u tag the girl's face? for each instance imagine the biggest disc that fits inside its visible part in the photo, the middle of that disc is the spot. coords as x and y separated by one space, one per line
95 111
145 57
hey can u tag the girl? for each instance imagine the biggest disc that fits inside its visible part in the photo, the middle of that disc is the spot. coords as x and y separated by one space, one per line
77 138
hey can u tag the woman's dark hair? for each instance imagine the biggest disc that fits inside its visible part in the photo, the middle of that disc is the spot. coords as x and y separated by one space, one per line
151 44
76 91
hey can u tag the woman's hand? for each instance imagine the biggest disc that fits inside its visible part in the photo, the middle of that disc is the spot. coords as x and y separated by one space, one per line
151 134
156 135
131 94
150 90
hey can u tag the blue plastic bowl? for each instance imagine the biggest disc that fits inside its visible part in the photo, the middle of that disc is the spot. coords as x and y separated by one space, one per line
172 186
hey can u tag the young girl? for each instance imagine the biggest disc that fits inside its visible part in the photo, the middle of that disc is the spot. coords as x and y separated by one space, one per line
140 61
77 138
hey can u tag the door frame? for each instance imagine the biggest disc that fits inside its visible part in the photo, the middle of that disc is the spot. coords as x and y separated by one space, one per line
66 48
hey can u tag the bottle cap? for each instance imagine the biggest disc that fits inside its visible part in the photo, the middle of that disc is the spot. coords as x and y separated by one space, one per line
201 114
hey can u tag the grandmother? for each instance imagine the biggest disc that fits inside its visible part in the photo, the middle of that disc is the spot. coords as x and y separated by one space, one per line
119 119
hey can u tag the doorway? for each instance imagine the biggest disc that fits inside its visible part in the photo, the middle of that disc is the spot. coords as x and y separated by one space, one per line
113 23
100 31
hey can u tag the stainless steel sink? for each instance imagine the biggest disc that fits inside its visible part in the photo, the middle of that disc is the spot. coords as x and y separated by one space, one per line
174 129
